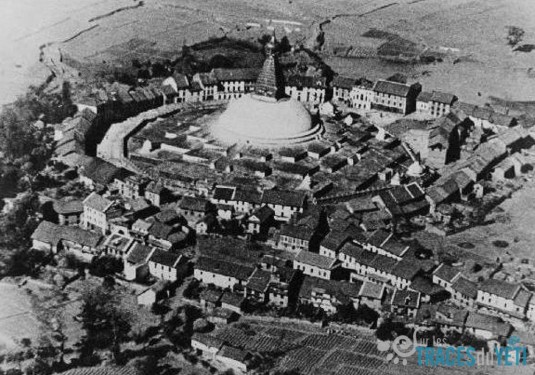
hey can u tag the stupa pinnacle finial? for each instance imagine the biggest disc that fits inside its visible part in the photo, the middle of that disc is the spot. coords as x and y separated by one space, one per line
268 83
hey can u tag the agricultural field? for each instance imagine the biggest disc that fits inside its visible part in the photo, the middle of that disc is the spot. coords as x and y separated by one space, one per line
466 38
17 317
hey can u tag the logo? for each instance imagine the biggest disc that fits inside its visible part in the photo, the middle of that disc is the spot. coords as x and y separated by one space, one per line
441 354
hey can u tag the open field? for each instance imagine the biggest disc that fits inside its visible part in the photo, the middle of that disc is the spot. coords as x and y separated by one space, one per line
470 33
17 319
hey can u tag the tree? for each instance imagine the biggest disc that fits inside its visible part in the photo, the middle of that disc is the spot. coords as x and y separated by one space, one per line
388 330
105 320
514 35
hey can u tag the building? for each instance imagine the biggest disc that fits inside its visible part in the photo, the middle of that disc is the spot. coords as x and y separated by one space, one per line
136 262
47 237
221 273
98 211
168 266
131 187
295 237
206 345
69 211
372 294
154 193
194 209
342 87
463 292
234 83
315 265
332 243
284 202
423 102
306 89
395 97
117 245
257 286
405 302
260 221
167 237
445 276
208 224
511 299
233 358
361 95
487 327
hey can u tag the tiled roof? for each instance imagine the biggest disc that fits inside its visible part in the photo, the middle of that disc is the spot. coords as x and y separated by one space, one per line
65 207
284 198
211 295
424 96
425 286
139 253
233 299
249 196
372 290
316 260
241 74
208 340
160 230
103 370
224 268
489 323
499 288
101 171
263 214
465 287
305 81
194 204
259 280
334 240
446 272
47 232
165 258
233 353
392 88
224 193
297 231
406 269
522 298
343 82
407 298
443 97
383 263
379 237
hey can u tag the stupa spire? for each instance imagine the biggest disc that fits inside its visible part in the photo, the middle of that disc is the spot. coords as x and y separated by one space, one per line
269 80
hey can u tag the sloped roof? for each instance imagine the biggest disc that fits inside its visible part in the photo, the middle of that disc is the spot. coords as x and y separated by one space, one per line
284 198
372 290
489 323
406 297
465 287
224 193
103 370
165 258
194 204
344 82
226 268
445 272
97 202
499 288
259 280
406 269
65 207
139 253
47 232
240 74
247 195
233 353
314 259
263 214
443 97
392 88
424 96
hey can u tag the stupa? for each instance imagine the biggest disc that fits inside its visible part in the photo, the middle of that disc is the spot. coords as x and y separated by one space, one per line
267 117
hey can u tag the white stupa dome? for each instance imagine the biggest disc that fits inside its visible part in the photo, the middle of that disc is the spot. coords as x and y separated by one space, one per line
265 121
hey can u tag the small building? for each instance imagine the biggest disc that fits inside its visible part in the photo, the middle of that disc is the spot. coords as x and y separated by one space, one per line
47 237
221 273
463 292
117 245
487 327
445 275
372 294
208 224
361 95
501 296
98 211
342 87
154 193
260 221
256 288
233 358
136 262
395 97
333 242
423 102
440 103
168 266
315 265
405 302
232 301
193 209
210 298
284 202
69 211
206 345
